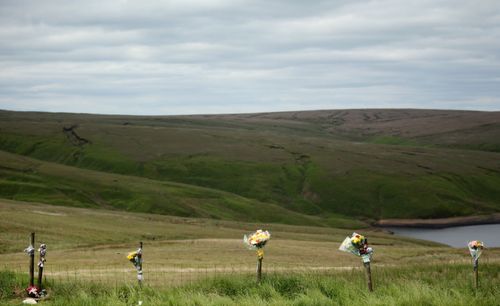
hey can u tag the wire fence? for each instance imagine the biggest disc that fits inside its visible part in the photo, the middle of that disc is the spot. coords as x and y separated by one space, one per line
173 275
165 276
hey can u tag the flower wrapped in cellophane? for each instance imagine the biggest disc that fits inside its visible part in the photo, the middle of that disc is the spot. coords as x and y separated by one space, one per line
135 258
358 245
475 248
256 241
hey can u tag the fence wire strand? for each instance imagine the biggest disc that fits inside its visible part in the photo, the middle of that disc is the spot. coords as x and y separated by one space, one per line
162 275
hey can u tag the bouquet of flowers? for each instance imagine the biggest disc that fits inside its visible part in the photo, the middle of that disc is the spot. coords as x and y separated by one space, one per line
43 252
33 291
358 245
256 241
475 248
136 259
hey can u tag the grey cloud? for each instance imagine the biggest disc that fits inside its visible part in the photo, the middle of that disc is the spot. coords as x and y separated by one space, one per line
174 57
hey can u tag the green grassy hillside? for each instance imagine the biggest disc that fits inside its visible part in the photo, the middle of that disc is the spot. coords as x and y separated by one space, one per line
311 167
26 179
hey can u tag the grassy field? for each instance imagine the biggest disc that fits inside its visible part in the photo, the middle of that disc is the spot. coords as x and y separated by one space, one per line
73 232
82 239
204 262
311 168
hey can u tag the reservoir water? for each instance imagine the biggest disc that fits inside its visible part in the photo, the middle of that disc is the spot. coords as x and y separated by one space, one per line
457 236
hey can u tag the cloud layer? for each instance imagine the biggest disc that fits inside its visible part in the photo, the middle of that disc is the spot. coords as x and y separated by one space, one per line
225 56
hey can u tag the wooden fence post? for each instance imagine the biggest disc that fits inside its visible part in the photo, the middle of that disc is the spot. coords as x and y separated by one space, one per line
32 260
139 267
368 275
259 269
260 257
40 272
476 273
42 250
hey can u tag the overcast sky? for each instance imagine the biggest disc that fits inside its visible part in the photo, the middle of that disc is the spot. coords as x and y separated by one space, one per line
226 56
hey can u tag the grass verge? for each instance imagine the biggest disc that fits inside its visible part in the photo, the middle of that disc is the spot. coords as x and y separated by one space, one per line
413 285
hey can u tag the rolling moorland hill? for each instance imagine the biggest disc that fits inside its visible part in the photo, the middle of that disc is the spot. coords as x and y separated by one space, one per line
315 167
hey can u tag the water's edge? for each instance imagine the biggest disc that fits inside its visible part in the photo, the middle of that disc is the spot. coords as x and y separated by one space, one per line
457 237
439 223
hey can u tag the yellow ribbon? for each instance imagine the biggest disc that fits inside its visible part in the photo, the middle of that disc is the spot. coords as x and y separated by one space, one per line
260 253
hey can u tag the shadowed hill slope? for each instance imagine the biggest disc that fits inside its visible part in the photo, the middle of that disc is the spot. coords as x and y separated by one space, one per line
27 179
365 164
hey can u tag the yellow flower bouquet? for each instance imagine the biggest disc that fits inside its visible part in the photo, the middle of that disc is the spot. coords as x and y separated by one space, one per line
257 240
135 258
358 245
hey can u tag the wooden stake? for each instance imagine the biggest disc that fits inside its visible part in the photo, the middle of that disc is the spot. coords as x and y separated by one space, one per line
139 269
41 262
368 276
259 269
260 257
40 272
32 260
476 273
